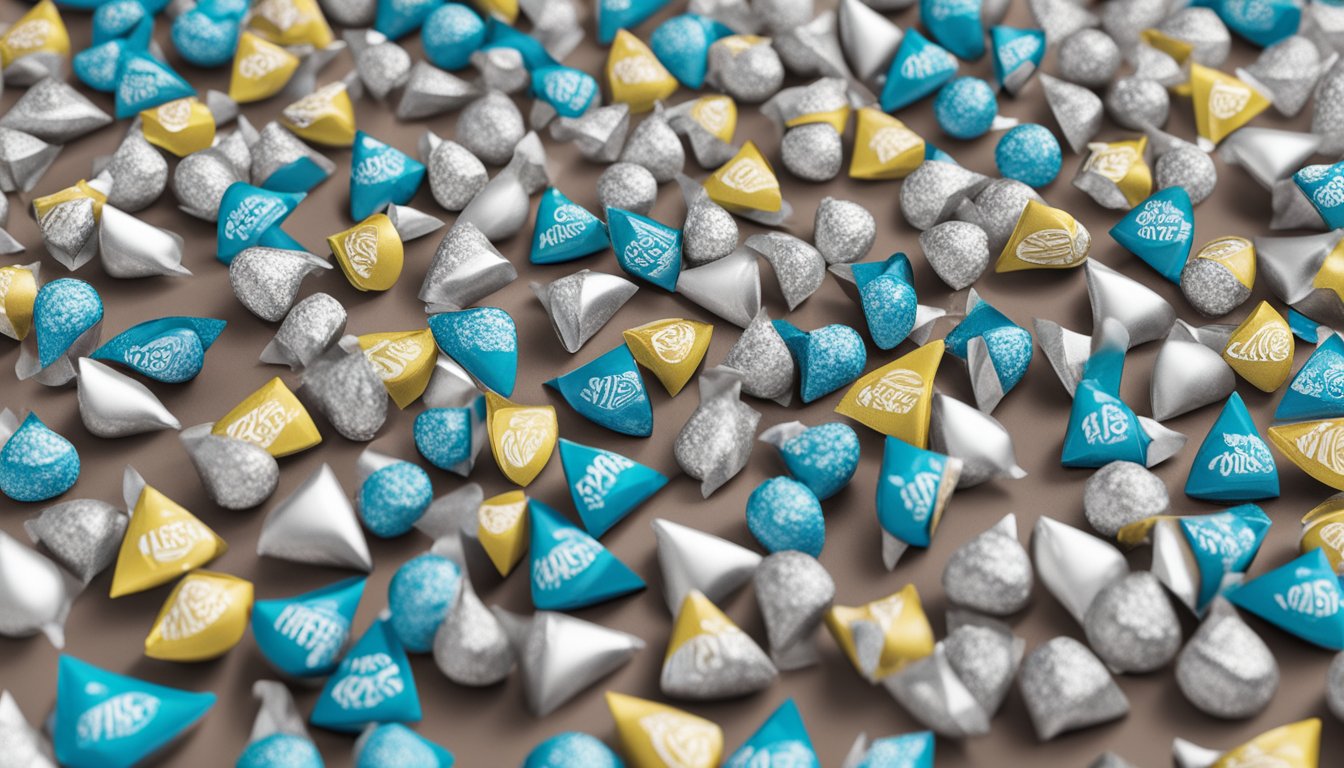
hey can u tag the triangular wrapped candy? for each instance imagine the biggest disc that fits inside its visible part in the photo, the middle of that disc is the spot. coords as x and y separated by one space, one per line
729 287
1233 463
369 253
373 684
503 528
563 91
1220 276
1074 566
671 349
23 160
913 490
482 340
68 222
908 750
1269 155
1017 53
996 349
203 618
1301 597
1296 745
430 91
1187 375
326 116
565 231
348 390
991 573
886 291
179 127
701 448
261 69
700 629
655 735
1315 391
131 248
580 304
823 458
35 594
1066 688
304 636
919 68
763 361
1225 669
404 360
695 561
267 280
112 404
1160 230
646 248
794 592
934 191
271 418
746 185
782 738
144 82
163 540
1143 313
599 133
81 534
1115 174
560 656
634 75
170 349
981 443
884 147
1222 103
895 398
1260 350
466 268
1076 109
1322 184
605 486
25 744
682 45
799 268
18 294
35 46
883 636
316 525
609 392
54 111
250 216
828 358
522 437
570 569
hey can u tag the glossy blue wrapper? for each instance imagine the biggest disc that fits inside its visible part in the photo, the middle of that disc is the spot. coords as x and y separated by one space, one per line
609 392
956 25
912 483
1323 185
1013 48
909 750
446 437
1009 345
565 230
251 216
1260 22
606 486
484 341
380 175
645 248
1224 544
1317 390
887 295
781 740
1160 230
304 635
824 457
144 82
373 684
1233 463
1102 428
1303 598
204 40
569 568
451 33
613 15
96 66
63 311
169 349
501 35
919 69
399 18
569 91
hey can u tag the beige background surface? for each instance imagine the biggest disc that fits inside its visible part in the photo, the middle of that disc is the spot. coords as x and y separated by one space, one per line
490 727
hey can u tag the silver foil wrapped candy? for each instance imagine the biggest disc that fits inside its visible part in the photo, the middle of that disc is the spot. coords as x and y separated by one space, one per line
316 525
83 535
1289 266
348 390
490 127
25 746
1287 72
729 287
958 251
709 232
655 146
1269 155
1067 688
996 209
35 593
598 133
471 646
1138 103
1187 375
131 248
843 230
308 330
412 223
1200 28
559 656
1088 57
112 404
1131 625
500 209
1060 19
136 172
627 186
933 192
277 714
53 111
466 268
1334 686
763 360
69 227
267 280
1075 566
1226 670
382 65
1182 164
740 667
964 432
746 68
799 268
716 441
502 69
200 179
868 39
1076 109
709 149
1327 116
693 560
431 91
1145 315
812 151
991 573
580 304
1121 493
24 158
793 591
455 174
236 474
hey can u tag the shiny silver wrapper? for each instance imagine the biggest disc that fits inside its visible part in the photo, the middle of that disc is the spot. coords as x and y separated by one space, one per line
799 268
627 186
598 133
1203 30
1067 688
276 712
1185 754
1077 109
83 535
996 209
1324 25
1187 375
382 65
32 68
750 74
69 229
1153 64
453 514
1287 73
1131 625
466 268
1334 686
1186 165
958 251
1121 493
502 69
739 667
412 223
267 280
1226 670
690 559
782 15
716 441
1292 209
1211 288
933 691
1137 103
200 179
1060 19
310 328
868 39
934 191
580 304
1074 566
560 656
813 49
490 127
24 158
793 591
1126 19
502 206
1109 760
24 745
112 404
709 232
1327 116
35 593
981 443
1145 315
316 525
763 360
984 653
1089 57
1268 154
455 174
236 474
655 146
1289 266
131 248
812 152
735 14
350 13
431 91
843 231
710 151
827 94
276 147
729 287
470 646
991 573
53 111
345 386
136 173
556 23
237 146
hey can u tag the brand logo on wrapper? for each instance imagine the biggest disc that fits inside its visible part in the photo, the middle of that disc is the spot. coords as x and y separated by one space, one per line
1051 247
158 355
599 477
250 213
1107 425
1324 445
318 628
574 552
198 605
361 249
887 611
927 62
175 116
569 88
499 519
613 392
891 142
1331 194
308 110
679 741
380 167
172 541
524 437
1227 100
260 63
1318 598
783 754
712 114
1269 344
1219 538
570 222
651 249
919 495
1245 455
372 679
28 36
896 392
1111 162
1223 249
638 69
1162 222
119 717
262 425
674 343
391 357
747 176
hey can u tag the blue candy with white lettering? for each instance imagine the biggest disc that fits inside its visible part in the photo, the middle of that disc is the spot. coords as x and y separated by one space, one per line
1303 597
304 635
1224 544
920 68
1017 54
144 82
570 569
379 175
1233 462
1160 230
169 349
1324 187
609 392
565 230
645 248
1317 391
910 490
606 486
251 216
781 740
484 341
373 684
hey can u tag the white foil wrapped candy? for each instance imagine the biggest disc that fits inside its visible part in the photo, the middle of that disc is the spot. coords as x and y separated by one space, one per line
131 248
580 304
691 559
1187 375
1076 109
267 280
431 91
868 39
799 268
137 173
345 386
236 474
112 404
763 360
1074 566
308 330
53 111
964 432
35 593
466 268
1269 155
1145 315
490 127
382 65
716 441
598 133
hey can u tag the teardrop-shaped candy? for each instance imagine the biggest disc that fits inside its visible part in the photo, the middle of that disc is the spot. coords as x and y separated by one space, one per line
36 463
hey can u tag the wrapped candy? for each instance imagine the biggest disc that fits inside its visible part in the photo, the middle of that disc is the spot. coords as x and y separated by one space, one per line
934 191
886 292
250 217
981 443
1233 463
784 514
106 719
181 126
1323 185
882 637
326 116
144 82
25 744
609 392
634 74
843 230
382 65
649 730
655 146
763 361
1160 231
1220 276
1199 556
348 390
570 569
580 304
169 349
405 361
701 448
261 69
162 541
522 437
693 561
430 91
729 287
745 67
1074 566
1017 52
747 186
966 108
1222 103
304 636
572 749
1287 71
991 573
484 341
35 594
1089 57
35 46
68 222
131 248
18 296
24 159
236 474
308 330
606 486
646 248
708 123
1131 625
54 112
451 432
82 534
701 628
420 595
1067 688
1138 103
823 458
1312 393
895 398
1226 670
465 269
499 523
1297 597
996 350
671 349
913 491
36 463
565 231
781 738
869 41
598 133
794 593
391 744
828 358
884 147
627 186
1029 153
1144 314
380 175
369 253
1267 154
1298 743
271 418
393 494
1122 493
908 750
798 267
500 209
682 45
203 618
316 525
560 656
373 684
292 22
114 405
278 738
1115 174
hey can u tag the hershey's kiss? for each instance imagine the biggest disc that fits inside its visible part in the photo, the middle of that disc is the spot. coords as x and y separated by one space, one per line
716 441
200 180
1138 103
471 646
348 390
83 535
138 173
490 127
1187 375
53 111
799 268
812 151
112 404
1132 626
316 525
991 573
581 303
309 329
1121 493
1067 688
266 280
763 360
844 231
455 174
236 474
710 232
958 251
1225 669
656 147
1075 566
627 186
935 189
130 248
793 591
1201 28
1088 57
729 287
1286 72
466 268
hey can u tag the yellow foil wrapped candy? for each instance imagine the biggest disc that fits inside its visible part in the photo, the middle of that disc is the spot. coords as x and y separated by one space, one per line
1122 163
1222 102
697 617
1261 349
370 253
291 22
655 735
884 147
635 75
204 617
162 542
326 116
896 398
40 30
18 291
261 69
1323 529
900 622
404 361
81 189
746 183
522 437
672 349
271 418
1316 447
1044 238
1234 252
1296 745
717 114
503 529
182 126
1330 276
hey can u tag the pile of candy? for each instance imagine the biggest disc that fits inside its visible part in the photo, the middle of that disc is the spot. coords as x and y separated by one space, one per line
810 72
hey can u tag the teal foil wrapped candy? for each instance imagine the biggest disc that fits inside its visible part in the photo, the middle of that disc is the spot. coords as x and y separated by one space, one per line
169 349
250 216
645 248
144 82
886 291
36 463
996 349
565 230
920 68
1160 230
824 457
570 569
781 740
913 490
373 684
609 392
1302 597
606 486
380 175
1233 462
828 358
305 635
393 745
1317 390
782 513
420 595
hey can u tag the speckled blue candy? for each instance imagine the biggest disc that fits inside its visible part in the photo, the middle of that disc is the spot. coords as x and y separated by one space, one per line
203 40
890 306
966 108
63 311
400 18
1009 350
280 750
116 19
393 498
393 745
420 594
572 749
443 436
96 66
167 349
1029 153
681 44
451 34
823 457
144 82
828 358
782 514
36 463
